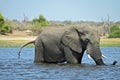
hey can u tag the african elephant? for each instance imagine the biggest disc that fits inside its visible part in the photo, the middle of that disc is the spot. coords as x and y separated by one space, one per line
55 45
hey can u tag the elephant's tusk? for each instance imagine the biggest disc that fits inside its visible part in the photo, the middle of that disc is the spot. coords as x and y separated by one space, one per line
89 56
104 56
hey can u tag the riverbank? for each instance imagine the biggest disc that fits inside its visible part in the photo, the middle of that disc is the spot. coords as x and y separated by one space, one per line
110 42
12 41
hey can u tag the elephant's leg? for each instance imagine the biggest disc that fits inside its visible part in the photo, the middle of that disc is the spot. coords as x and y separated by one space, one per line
78 56
39 52
69 56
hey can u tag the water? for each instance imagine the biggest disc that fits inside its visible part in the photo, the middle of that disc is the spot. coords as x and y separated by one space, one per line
24 68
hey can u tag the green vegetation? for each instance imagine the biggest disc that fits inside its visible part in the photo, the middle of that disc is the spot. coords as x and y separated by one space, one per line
114 31
13 43
4 27
112 42
39 24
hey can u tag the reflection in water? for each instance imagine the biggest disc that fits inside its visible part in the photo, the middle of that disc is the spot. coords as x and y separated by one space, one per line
12 68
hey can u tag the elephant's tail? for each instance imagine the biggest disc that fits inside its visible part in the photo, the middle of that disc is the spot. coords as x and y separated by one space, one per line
24 46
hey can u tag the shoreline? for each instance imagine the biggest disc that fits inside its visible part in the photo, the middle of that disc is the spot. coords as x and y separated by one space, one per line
14 41
18 38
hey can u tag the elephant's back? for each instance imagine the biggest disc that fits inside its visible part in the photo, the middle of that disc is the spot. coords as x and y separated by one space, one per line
52 34
54 30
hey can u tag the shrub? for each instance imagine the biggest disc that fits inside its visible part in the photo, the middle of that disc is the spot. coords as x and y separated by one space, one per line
114 31
38 24
1 20
4 27
36 29
115 34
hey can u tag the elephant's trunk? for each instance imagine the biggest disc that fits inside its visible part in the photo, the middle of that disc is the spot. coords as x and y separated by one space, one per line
96 54
100 62
114 62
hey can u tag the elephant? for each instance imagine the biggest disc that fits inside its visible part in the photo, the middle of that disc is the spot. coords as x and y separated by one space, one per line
56 45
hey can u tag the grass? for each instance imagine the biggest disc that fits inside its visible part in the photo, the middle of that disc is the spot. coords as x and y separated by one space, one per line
112 42
13 43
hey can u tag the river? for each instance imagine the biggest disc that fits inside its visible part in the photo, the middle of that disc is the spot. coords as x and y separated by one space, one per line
12 68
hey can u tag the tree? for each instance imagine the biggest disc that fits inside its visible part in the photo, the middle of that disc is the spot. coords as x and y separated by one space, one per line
4 27
39 23
1 21
114 31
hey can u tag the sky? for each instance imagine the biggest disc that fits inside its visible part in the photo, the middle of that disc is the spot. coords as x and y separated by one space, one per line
60 10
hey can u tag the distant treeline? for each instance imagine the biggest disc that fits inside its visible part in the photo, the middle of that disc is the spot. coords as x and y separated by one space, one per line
105 28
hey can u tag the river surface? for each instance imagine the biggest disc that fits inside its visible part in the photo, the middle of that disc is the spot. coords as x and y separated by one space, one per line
12 68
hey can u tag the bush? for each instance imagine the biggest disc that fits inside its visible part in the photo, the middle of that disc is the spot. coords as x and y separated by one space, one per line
4 27
1 20
36 29
38 24
114 31
115 34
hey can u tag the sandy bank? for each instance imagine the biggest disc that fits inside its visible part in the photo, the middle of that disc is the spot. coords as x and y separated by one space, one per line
17 38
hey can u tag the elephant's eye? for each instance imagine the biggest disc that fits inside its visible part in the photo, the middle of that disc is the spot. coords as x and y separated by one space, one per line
86 40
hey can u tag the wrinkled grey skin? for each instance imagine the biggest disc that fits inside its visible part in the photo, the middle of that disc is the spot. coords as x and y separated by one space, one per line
55 45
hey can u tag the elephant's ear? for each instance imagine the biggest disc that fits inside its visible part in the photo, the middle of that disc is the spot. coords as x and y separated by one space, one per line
71 39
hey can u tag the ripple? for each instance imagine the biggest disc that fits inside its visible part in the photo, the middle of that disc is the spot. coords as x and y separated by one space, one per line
24 68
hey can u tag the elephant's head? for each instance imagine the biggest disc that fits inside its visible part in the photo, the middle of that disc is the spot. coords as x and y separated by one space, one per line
84 38
90 39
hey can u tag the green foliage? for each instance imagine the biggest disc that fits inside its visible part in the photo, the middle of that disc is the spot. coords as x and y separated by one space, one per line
36 29
114 31
39 23
114 28
1 20
4 27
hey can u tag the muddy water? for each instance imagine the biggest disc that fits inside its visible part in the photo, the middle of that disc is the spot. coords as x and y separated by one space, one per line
24 68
